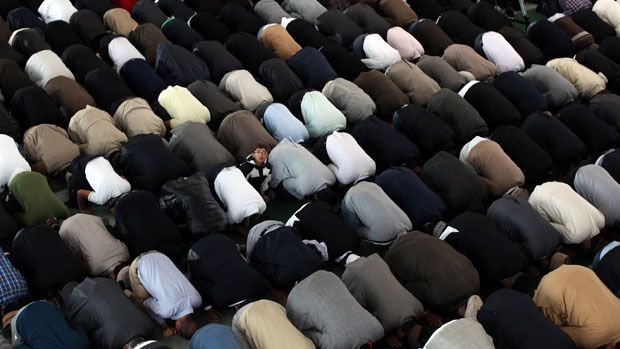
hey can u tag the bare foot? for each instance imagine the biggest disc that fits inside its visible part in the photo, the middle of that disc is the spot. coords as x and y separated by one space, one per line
213 315
434 319
393 342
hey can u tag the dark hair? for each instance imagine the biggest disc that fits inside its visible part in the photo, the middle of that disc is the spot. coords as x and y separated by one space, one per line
188 327
327 195
261 145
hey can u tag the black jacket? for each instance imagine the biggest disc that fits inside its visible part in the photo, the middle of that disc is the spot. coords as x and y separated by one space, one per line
599 63
209 27
60 35
248 50
81 60
306 34
485 16
189 203
312 67
220 274
459 28
180 33
239 19
410 193
520 92
143 226
596 134
431 36
218 59
146 11
12 79
29 42
608 270
514 322
551 40
218 103
8 52
384 144
107 88
278 77
347 64
593 24
459 188
176 9
534 161
178 66
524 226
141 78
100 7
495 257
283 258
147 163
78 179
9 126
23 17
424 128
493 107
89 27
317 221
335 23
31 106
46 260
564 147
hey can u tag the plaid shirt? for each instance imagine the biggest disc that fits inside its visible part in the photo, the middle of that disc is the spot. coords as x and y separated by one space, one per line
12 284
571 6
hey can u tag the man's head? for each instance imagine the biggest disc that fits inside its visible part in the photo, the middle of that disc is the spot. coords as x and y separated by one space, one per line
186 326
260 154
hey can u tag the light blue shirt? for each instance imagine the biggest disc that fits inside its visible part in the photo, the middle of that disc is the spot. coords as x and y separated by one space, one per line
281 124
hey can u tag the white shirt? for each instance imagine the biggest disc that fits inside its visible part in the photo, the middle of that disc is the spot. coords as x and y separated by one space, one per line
286 21
241 86
45 65
11 161
570 214
350 163
240 198
500 52
172 295
106 183
122 51
380 54
54 10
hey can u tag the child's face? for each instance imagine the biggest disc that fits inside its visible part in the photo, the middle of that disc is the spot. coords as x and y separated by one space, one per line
260 156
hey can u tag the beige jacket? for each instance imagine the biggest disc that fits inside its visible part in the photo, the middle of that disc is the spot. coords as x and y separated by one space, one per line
418 86
50 144
264 325
464 58
134 116
587 82
94 131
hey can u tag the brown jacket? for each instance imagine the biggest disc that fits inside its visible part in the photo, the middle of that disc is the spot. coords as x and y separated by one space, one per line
277 39
119 21
69 94
418 86
577 301
498 172
462 57
240 131
399 12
